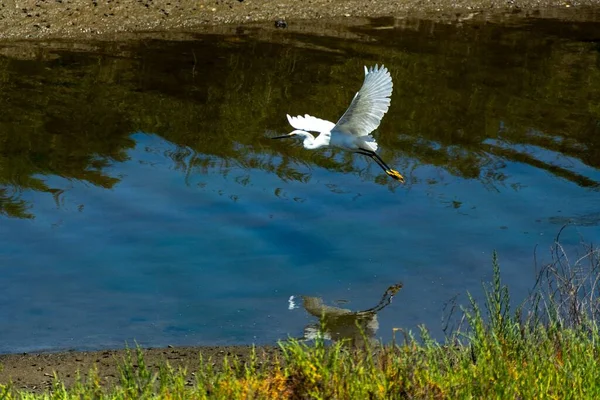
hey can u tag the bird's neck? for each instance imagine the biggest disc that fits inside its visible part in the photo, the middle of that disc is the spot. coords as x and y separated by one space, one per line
311 143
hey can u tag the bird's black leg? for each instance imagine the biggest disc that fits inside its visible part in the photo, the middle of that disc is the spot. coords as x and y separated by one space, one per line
380 160
393 173
375 158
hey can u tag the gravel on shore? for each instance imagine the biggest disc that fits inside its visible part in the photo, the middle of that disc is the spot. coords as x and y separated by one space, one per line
35 372
86 19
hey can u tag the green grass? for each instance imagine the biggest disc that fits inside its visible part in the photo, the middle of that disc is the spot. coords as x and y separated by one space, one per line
543 349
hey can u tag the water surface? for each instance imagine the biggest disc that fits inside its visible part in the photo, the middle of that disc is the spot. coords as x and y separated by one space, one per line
141 198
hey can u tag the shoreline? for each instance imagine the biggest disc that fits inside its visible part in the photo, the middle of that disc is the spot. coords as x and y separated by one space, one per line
34 372
116 19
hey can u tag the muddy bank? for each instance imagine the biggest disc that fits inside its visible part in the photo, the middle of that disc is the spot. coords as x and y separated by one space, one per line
35 372
36 19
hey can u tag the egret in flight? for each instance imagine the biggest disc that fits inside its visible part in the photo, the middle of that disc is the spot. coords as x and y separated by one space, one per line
352 131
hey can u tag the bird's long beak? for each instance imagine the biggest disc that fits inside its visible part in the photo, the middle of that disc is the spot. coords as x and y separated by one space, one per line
289 135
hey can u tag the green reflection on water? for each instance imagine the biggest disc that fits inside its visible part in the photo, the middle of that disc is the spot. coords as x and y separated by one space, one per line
466 99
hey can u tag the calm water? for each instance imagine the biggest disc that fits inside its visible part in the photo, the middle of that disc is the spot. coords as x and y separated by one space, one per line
141 198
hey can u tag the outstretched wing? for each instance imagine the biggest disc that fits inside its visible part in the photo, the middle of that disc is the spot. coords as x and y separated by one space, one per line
310 124
369 104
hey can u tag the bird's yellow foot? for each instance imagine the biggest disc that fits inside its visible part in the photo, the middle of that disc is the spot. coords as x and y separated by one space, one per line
395 174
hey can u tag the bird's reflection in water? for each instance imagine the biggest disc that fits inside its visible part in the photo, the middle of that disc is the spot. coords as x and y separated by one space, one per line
343 324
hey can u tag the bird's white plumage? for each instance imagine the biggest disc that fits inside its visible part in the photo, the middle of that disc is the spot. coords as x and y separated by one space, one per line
363 116
310 123
369 105
352 131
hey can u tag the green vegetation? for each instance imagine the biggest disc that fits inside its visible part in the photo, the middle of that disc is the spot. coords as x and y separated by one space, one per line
466 99
547 348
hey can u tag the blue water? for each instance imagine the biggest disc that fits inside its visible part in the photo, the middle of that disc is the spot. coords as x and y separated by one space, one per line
186 252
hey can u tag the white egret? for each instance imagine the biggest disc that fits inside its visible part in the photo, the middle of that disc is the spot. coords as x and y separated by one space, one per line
352 131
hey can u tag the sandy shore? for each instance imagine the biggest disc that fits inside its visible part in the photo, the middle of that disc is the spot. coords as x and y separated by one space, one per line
37 19
35 372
